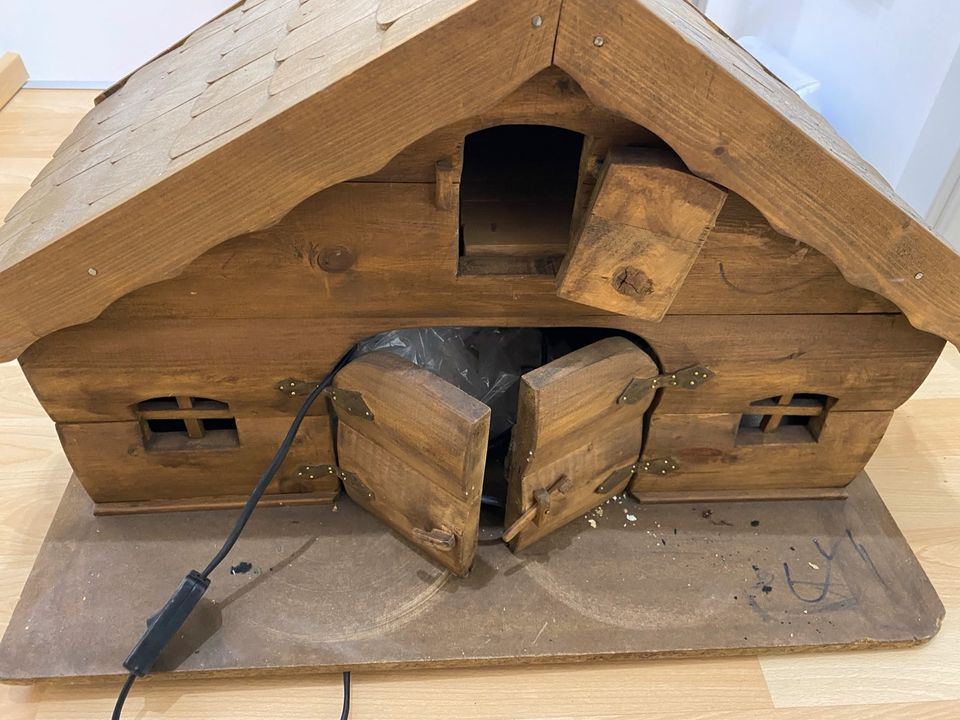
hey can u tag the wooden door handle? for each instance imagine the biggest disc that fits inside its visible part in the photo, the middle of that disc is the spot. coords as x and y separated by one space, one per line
436 539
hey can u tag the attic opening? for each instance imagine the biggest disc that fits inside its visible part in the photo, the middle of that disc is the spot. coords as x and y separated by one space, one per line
517 193
784 419
186 423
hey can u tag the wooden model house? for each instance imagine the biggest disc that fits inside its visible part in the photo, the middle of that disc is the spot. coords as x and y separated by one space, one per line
750 300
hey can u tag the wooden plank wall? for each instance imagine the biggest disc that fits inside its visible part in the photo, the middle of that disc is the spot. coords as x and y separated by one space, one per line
766 313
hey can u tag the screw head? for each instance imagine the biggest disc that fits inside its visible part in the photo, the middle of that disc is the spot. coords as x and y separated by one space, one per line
536 21
918 276
598 41
91 271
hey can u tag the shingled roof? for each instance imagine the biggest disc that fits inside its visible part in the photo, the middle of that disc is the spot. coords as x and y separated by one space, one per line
276 100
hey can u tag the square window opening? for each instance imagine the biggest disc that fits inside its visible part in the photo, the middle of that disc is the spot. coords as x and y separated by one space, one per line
782 420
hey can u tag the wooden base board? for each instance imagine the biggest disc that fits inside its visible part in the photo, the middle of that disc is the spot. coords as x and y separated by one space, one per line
759 495
229 502
330 589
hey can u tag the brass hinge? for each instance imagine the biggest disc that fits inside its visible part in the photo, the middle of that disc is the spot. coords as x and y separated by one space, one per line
658 466
312 472
616 478
686 379
349 402
354 483
294 386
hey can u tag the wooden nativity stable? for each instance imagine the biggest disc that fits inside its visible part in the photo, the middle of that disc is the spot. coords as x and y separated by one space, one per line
746 301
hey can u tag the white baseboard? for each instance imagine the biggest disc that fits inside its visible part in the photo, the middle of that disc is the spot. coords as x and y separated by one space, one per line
69 84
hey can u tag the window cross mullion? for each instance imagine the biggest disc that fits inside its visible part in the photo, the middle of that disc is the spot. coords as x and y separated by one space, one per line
193 423
772 421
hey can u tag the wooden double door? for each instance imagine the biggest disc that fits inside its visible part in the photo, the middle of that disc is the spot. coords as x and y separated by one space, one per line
412 448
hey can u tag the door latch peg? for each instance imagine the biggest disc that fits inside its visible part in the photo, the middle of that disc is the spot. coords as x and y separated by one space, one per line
437 539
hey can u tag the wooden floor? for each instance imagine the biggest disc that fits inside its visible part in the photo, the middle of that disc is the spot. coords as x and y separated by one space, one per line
916 469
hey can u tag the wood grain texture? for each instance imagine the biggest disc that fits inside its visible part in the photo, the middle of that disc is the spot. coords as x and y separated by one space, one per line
920 683
734 123
711 455
395 231
642 233
114 464
12 76
98 372
96 186
419 454
916 468
722 496
570 424
269 143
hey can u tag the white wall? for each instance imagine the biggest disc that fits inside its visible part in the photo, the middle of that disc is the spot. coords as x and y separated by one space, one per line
96 41
881 64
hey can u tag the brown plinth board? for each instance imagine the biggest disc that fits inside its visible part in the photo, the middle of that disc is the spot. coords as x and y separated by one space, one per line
330 590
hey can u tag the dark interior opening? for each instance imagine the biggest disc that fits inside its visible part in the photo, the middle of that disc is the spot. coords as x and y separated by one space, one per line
167 426
517 194
214 424
187 423
779 420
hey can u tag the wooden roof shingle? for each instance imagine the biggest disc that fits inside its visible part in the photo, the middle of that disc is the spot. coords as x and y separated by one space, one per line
274 100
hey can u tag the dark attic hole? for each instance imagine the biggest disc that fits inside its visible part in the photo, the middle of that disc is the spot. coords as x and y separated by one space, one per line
518 190
488 364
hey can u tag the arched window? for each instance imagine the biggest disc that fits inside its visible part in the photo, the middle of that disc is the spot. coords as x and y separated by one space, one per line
517 193
187 423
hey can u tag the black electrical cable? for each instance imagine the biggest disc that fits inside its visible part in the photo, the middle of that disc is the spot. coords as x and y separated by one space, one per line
345 713
122 697
162 626
274 466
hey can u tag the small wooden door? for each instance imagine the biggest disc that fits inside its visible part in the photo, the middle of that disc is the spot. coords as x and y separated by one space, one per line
647 220
412 449
576 440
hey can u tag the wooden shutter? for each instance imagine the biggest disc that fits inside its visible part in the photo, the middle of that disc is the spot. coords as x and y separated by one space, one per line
412 450
647 221
575 442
